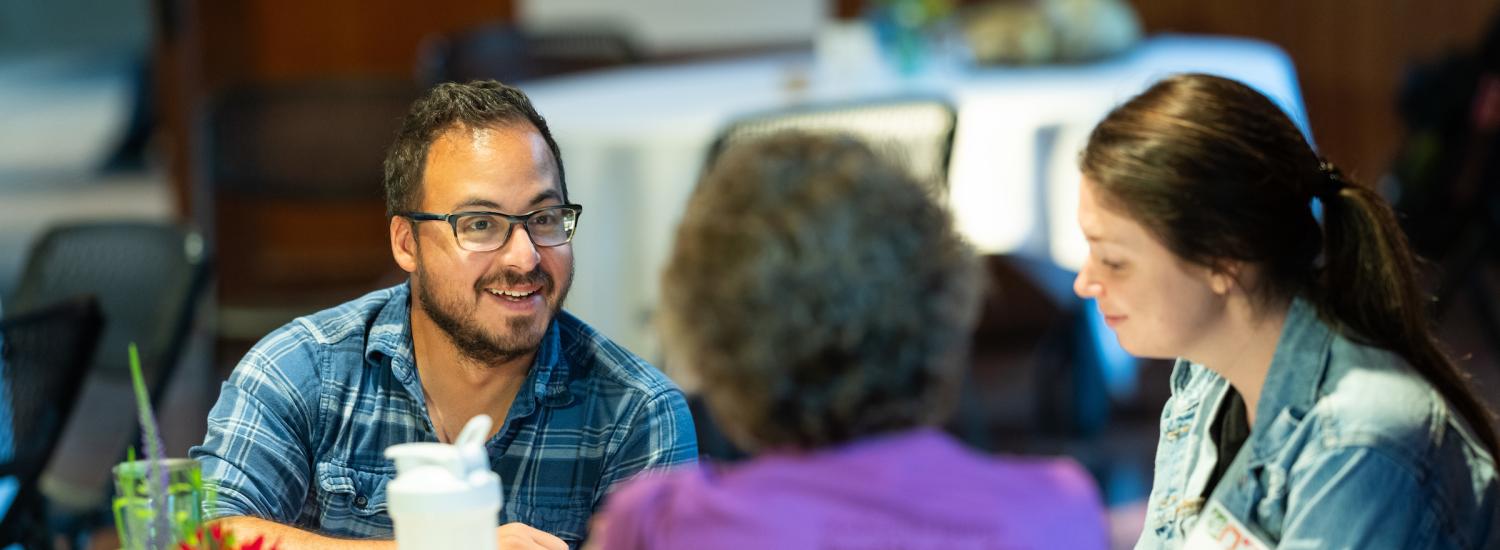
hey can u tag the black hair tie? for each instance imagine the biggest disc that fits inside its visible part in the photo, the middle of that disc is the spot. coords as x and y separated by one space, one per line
1333 181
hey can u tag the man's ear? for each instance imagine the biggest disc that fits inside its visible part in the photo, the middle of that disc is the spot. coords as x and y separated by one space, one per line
404 243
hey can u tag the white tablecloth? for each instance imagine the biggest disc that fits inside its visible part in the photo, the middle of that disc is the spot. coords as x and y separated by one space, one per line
633 143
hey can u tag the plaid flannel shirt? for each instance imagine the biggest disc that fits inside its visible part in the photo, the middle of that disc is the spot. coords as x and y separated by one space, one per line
300 428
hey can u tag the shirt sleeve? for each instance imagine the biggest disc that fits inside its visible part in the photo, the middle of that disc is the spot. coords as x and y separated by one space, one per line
1357 497
660 436
256 457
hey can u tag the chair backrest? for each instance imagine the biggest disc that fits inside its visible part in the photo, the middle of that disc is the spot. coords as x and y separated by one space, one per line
44 354
146 275
914 133
510 54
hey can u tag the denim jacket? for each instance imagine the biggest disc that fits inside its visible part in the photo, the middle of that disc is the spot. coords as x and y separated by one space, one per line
1350 448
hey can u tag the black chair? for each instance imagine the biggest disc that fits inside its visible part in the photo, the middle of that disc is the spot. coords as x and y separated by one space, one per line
44 356
915 133
511 54
148 277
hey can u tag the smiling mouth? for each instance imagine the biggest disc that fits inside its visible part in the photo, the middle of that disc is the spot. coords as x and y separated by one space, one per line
512 295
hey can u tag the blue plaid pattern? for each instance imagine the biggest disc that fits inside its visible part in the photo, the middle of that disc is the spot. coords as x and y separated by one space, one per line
298 433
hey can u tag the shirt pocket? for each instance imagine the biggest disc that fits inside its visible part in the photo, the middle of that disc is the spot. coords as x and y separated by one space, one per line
565 518
352 502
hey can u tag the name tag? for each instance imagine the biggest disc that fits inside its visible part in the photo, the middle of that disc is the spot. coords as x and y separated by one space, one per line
1217 529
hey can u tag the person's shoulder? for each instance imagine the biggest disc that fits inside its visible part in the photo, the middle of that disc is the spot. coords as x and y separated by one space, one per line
657 504
653 488
1061 479
1370 397
1063 505
353 319
1058 481
608 363
294 348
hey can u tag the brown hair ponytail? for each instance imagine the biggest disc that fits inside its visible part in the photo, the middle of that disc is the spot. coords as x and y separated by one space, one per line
1369 285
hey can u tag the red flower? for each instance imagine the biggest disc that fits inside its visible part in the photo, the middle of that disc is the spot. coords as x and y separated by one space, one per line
255 544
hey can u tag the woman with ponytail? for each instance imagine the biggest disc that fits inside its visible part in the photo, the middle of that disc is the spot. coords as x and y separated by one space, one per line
1312 406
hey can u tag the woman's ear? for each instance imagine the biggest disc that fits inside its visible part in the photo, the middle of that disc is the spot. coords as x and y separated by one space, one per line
1224 277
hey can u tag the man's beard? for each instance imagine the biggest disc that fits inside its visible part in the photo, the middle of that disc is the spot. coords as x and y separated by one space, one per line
518 337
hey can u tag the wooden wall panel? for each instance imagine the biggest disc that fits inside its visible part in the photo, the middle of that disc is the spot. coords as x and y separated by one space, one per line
268 40
297 38
1350 56
206 46
292 251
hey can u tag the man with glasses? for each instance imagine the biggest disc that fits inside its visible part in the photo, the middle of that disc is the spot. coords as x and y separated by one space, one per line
480 218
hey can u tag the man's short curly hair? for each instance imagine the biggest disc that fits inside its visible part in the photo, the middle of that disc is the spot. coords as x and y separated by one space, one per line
819 293
451 106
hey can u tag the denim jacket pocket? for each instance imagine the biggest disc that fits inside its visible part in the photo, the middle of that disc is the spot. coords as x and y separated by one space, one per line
1169 515
352 502
1270 509
1274 476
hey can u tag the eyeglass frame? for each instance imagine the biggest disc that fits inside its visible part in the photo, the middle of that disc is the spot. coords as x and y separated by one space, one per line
511 220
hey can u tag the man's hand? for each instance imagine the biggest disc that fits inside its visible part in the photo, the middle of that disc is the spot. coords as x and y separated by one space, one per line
519 536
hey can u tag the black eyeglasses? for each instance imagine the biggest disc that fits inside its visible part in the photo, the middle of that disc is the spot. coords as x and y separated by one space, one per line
486 231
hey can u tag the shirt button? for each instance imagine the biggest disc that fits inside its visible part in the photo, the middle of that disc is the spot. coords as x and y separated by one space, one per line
360 501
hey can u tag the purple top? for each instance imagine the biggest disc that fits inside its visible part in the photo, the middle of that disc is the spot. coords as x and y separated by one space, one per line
913 490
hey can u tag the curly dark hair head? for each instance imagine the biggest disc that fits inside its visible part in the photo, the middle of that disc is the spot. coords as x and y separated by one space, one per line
819 293
452 106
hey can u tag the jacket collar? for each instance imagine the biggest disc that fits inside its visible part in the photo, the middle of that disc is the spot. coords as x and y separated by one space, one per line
1297 371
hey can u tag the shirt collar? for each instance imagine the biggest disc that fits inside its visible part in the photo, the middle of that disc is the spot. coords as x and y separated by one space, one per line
390 334
390 338
549 371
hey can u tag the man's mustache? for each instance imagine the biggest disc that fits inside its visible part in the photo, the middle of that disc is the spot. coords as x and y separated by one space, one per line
511 277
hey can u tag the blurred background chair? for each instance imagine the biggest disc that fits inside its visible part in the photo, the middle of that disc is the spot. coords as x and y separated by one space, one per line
916 133
44 354
509 53
148 277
